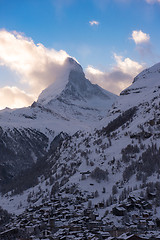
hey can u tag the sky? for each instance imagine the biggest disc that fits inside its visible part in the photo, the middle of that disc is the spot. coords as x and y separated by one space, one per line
113 40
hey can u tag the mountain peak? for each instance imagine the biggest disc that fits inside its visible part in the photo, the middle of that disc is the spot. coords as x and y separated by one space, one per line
55 89
76 97
73 87
73 64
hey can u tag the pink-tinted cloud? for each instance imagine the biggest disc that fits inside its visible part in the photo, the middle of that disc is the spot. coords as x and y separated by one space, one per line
92 23
36 65
119 77
140 37
13 97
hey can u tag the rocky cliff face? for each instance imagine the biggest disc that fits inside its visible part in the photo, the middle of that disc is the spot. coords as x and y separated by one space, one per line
20 148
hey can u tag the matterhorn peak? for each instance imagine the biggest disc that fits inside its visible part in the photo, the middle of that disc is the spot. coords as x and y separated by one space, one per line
70 66
73 64
73 88
75 96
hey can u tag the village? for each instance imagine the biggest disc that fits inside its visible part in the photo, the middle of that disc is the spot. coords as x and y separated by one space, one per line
70 218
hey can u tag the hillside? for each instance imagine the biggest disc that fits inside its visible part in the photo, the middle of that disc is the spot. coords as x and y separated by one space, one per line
72 103
112 171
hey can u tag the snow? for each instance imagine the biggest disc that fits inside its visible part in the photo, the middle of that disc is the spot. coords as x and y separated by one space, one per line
144 88
85 115
55 112
53 90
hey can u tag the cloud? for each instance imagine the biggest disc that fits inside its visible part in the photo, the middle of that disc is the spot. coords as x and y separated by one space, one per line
127 66
118 78
13 97
92 23
140 37
144 45
36 65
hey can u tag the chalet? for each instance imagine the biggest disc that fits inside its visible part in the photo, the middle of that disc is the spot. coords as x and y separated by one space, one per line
75 228
147 205
128 236
93 216
151 225
92 224
68 216
157 237
9 234
79 198
96 206
111 238
87 211
129 206
103 235
101 205
86 172
57 205
62 232
133 227
135 217
133 200
158 222
142 224
30 229
119 211
52 222
151 195
146 214
138 205
78 206
91 236
71 236
46 233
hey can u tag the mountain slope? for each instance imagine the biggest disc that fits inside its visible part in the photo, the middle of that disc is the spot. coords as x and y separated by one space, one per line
109 164
145 87
72 103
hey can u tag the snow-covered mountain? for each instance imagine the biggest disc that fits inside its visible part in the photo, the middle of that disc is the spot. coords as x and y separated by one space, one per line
76 98
103 167
72 103
69 104
111 171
